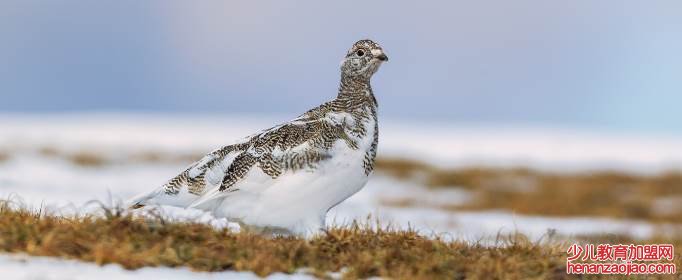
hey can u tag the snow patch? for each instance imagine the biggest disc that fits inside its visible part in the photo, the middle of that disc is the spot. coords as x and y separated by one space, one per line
20 267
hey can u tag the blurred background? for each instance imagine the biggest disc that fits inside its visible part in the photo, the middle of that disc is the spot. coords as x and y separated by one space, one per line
611 65
496 116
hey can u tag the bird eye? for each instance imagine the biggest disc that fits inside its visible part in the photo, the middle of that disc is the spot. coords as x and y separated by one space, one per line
360 52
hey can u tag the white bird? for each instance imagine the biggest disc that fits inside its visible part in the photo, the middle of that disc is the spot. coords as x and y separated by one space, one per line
285 179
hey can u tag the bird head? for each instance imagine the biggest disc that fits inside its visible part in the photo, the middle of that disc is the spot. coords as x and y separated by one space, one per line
363 59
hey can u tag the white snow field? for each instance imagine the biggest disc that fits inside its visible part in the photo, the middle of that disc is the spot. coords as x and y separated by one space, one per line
65 188
20 267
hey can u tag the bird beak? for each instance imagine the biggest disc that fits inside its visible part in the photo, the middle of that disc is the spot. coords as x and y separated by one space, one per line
380 55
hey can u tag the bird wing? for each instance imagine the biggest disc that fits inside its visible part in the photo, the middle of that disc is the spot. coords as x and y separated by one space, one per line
298 145
290 147
191 183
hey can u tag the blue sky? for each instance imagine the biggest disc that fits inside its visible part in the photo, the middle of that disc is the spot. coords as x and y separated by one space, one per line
595 64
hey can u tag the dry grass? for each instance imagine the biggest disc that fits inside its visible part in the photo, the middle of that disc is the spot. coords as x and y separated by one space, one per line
80 158
4 156
86 158
607 194
355 250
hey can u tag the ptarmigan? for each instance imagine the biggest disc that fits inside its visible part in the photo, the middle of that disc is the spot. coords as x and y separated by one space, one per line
285 179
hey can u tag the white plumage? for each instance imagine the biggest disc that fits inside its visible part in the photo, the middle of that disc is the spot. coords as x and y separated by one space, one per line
286 178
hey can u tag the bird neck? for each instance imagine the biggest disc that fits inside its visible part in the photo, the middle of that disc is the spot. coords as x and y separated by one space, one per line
357 88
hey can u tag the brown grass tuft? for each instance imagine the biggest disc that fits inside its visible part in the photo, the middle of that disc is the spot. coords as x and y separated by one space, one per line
356 250
4 156
49 151
87 158
602 193
80 158
160 157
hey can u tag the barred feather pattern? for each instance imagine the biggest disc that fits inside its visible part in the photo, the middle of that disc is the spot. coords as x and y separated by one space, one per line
297 145
303 143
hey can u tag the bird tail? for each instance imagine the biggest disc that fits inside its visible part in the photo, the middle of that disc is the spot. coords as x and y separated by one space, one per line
209 200
142 199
